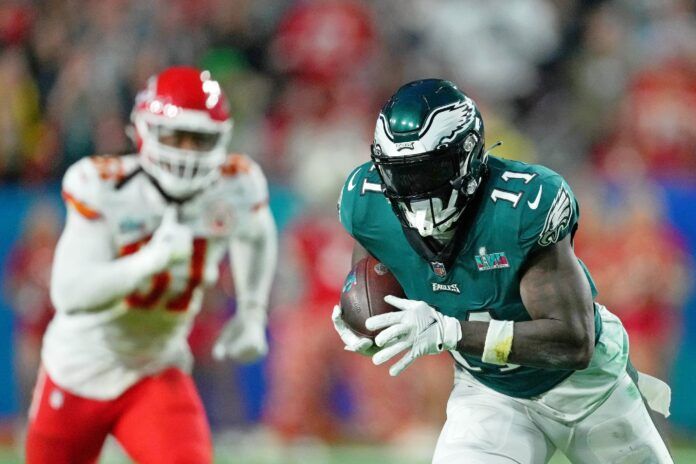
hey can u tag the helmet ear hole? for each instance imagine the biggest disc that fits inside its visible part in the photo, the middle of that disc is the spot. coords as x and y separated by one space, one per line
470 143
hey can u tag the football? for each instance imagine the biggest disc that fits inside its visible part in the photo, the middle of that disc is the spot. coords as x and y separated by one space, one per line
363 294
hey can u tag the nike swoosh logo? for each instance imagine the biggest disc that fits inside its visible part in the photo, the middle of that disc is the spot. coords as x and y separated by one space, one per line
351 185
425 329
535 204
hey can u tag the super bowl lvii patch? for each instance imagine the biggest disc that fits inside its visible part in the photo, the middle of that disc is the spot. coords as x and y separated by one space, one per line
488 261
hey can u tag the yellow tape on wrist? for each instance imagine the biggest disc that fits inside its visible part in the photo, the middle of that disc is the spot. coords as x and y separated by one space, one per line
498 342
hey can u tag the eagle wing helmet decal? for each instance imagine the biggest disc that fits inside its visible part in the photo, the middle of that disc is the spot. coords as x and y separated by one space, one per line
441 127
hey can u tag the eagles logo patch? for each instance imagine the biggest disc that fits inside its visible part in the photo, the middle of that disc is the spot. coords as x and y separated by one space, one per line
557 219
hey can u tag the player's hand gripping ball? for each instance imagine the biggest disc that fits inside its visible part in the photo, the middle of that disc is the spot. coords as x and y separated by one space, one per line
362 297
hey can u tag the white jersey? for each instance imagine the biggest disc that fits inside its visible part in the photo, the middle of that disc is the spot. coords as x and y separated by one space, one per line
99 352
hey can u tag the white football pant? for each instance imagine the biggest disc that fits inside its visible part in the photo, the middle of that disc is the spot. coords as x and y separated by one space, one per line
486 427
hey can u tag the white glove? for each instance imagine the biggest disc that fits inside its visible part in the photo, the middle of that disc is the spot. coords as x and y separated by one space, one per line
417 328
243 338
352 342
172 242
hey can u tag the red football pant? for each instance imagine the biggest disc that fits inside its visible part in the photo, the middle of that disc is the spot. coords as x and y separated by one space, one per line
159 419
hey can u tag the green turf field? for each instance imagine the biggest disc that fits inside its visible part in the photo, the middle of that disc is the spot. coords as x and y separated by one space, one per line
353 455
318 455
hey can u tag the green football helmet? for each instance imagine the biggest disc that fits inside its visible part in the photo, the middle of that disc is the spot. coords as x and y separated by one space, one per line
429 152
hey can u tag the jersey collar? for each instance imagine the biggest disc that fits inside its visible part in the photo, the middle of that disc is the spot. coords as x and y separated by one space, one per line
442 257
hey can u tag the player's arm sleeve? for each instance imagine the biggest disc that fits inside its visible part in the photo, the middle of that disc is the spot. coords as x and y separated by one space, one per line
361 189
253 252
348 201
86 274
555 217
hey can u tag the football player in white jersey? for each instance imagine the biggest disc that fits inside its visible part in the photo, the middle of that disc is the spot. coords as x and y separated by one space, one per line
145 234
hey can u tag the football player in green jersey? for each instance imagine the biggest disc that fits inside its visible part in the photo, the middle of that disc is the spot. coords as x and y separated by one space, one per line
483 248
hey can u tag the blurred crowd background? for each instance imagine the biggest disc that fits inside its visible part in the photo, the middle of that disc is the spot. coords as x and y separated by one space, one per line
603 92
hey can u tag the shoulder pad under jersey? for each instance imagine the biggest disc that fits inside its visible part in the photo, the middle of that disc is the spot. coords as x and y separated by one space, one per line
550 211
245 179
362 186
87 181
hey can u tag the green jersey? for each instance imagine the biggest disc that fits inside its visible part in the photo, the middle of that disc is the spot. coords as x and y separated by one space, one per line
519 209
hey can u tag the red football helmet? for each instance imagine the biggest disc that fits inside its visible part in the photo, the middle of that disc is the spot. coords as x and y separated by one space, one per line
182 128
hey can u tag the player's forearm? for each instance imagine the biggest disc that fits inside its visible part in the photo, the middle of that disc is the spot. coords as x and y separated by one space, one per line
544 343
253 262
85 275
551 344
90 286
556 294
358 253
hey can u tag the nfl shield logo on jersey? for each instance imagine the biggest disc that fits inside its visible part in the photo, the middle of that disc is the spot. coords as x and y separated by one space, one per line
438 269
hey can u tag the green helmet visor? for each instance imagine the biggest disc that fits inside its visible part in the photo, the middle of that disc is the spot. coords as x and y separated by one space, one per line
418 176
